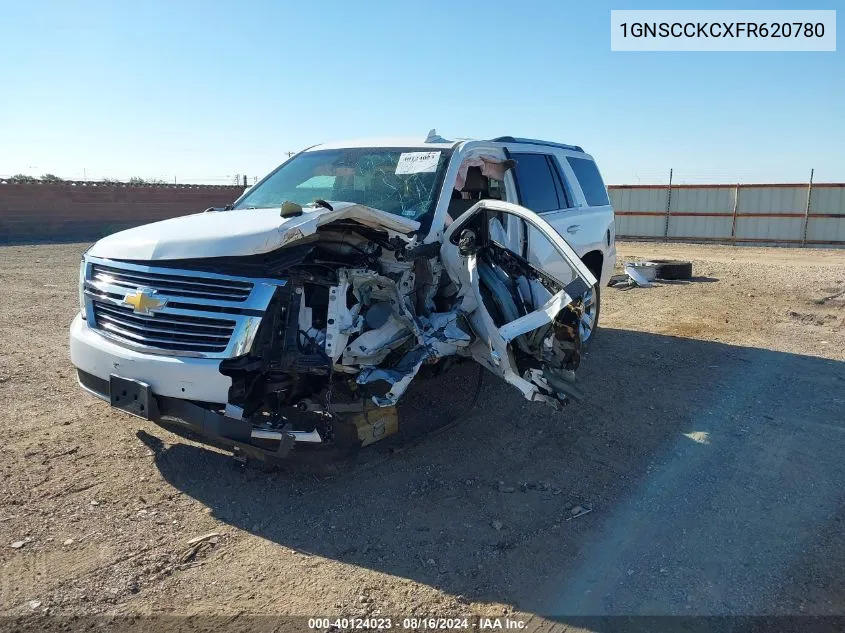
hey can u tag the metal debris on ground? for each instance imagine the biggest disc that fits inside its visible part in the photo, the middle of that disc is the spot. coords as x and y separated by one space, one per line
204 537
579 511
198 545
642 274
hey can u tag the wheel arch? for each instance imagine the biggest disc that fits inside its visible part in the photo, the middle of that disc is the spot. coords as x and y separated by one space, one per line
594 260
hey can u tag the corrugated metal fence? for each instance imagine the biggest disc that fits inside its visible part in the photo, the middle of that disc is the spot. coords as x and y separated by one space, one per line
811 214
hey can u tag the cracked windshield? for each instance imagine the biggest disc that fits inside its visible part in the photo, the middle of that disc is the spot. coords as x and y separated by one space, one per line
399 181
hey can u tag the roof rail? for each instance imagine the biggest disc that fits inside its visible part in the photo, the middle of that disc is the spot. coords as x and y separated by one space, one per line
531 141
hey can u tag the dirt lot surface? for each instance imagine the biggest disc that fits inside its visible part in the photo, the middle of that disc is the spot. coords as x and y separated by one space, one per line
709 450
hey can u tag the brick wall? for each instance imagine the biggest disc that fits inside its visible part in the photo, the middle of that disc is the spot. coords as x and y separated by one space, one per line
88 211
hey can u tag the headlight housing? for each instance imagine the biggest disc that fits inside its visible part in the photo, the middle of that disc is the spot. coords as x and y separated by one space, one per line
82 268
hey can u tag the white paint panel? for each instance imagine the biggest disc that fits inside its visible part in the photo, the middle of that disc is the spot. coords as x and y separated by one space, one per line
828 200
826 230
709 227
645 199
772 199
639 226
702 199
773 229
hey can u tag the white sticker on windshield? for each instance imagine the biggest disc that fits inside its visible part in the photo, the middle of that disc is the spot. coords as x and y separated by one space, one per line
417 162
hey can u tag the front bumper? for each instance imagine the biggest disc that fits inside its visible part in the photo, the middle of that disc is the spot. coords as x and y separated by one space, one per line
218 429
177 385
170 376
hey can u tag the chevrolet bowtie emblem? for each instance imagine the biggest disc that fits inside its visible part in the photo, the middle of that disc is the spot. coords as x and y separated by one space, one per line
143 301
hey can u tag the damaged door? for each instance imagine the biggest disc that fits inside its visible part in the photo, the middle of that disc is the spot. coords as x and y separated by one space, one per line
524 311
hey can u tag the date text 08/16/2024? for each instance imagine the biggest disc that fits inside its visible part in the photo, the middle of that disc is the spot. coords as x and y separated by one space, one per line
418 623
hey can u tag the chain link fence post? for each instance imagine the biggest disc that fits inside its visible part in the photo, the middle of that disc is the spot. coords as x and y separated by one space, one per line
733 222
668 206
807 208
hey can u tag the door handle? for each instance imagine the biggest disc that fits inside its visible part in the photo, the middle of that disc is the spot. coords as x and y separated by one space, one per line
573 228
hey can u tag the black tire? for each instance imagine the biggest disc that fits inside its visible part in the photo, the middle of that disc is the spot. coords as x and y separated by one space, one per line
673 269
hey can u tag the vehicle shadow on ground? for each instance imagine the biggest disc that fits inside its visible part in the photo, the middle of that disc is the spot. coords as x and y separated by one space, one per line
669 427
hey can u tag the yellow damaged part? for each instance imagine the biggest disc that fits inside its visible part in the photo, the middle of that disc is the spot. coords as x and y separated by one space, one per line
365 423
376 425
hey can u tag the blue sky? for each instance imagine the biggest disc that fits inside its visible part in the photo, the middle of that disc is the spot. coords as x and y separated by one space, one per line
200 91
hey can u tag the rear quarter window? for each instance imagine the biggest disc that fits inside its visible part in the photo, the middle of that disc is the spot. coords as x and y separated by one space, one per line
590 179
536 183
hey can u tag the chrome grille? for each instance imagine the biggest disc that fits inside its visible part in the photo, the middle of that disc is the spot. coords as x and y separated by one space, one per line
199 313
182 334
173 285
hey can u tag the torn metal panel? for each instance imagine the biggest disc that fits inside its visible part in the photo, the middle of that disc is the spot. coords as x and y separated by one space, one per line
390 384
641 274
341 322
536 319
442 333
508 321
373 346
314 218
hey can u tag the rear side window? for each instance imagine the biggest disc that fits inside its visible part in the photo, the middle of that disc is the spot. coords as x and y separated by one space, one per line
591 183
536 182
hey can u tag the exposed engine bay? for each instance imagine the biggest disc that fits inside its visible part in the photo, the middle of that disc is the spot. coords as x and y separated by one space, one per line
362 309
351 321
359 314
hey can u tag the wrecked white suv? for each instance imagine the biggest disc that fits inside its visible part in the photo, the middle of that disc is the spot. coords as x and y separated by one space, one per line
326 286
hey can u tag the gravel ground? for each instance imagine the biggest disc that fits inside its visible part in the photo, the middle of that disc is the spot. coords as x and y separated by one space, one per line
708 449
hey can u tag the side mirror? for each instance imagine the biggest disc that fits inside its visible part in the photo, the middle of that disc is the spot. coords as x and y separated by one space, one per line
467 243
290 209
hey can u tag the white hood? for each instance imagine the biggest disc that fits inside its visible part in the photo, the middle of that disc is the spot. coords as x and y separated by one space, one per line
241 232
